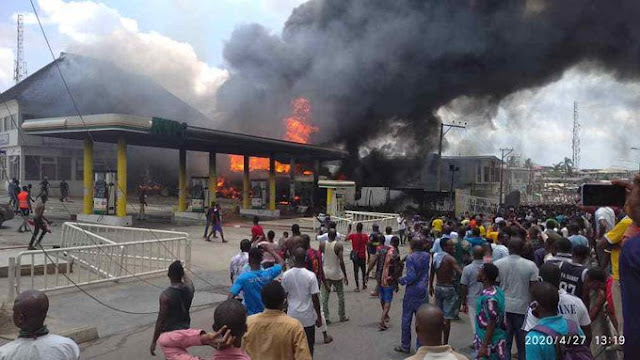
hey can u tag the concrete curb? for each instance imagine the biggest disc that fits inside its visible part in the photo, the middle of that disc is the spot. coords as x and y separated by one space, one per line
80 335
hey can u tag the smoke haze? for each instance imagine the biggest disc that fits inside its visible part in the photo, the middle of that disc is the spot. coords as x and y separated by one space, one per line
374 68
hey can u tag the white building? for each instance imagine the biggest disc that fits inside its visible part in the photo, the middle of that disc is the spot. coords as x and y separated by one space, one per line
97 87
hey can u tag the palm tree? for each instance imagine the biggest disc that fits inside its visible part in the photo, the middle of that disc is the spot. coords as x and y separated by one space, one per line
528 163
567 165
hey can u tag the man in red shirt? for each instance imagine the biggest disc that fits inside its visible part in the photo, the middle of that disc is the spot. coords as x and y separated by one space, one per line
314 264
257 232
359 255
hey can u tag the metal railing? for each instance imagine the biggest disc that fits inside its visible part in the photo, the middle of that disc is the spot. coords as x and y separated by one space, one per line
88 254
79 234
474 204
368 219
61 268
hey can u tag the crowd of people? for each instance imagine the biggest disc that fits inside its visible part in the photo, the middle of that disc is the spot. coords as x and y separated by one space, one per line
537 283
540 282
22 203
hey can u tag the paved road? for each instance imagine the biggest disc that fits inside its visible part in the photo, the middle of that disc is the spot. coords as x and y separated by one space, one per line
127 337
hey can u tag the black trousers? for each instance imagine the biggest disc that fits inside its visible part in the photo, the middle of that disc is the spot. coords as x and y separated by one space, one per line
310 331
38 228
360 264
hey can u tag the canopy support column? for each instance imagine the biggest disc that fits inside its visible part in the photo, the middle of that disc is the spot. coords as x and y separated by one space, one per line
88 177
213 178
292 181
182 181
245 184
121 207
272 183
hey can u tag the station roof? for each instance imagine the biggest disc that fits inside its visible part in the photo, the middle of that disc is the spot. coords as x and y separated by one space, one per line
165 133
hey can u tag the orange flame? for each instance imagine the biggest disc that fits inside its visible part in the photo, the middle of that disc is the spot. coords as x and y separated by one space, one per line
225 190
297 129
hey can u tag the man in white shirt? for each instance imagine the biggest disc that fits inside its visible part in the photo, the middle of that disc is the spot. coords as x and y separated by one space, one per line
402 227
605 220
324 237
516 276
569 306
302 295
388 235
34 341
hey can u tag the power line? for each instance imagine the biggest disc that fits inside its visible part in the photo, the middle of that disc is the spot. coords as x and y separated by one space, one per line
85 125
66 209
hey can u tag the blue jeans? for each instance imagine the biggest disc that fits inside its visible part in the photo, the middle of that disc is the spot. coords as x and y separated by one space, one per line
446 297
410 305
514 328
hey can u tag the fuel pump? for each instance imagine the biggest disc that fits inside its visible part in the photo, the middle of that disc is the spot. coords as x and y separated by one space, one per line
199 194
104 192
259 194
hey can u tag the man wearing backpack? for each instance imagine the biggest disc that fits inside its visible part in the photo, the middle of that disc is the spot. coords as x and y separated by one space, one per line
554 337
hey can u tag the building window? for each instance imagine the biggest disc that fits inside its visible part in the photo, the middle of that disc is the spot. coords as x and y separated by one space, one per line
487 173
31 168
7 123
478 173
14 166
79 168
3 168
48 167
64 168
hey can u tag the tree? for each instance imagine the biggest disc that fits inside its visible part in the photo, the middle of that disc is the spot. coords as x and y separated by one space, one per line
528 163
512 162
567 165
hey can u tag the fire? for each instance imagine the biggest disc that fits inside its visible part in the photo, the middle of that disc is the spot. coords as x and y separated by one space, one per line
225 190
297 129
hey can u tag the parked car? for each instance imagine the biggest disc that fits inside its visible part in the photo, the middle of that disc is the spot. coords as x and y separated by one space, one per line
6 213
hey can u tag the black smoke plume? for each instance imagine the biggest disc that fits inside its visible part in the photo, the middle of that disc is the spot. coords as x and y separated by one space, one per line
369 65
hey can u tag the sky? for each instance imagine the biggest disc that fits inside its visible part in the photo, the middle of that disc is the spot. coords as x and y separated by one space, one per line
180 44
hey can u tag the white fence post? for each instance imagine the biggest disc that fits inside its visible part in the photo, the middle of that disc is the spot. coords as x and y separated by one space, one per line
187 253
12 279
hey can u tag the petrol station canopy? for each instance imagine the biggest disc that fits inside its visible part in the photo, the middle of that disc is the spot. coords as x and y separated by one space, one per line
166 133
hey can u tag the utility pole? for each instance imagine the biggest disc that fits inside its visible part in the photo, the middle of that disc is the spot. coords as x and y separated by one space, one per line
637 149
453 170
444 132
504 152
20 66
575 143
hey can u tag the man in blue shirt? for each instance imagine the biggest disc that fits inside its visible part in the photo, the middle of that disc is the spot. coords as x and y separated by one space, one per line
252 282
415 295
539 343
475 239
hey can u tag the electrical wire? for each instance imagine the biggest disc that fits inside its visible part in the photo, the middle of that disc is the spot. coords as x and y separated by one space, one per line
89 132
85 232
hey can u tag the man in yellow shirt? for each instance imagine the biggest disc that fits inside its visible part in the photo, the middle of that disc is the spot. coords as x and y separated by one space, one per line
612 243
272 334
436 226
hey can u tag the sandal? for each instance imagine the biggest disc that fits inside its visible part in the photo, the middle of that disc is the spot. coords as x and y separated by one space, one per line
382 327
400 349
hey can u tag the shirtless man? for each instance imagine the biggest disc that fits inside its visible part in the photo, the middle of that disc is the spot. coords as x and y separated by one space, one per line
290 245
446 270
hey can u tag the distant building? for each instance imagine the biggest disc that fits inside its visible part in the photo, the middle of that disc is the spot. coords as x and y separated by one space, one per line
479 175
98 87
